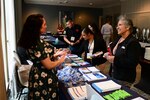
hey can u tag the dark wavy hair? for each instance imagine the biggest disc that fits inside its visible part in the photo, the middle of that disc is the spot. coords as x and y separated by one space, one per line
92 29
31 31
88 30
96 30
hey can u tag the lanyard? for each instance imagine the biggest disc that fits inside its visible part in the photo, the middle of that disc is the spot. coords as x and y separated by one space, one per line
91 47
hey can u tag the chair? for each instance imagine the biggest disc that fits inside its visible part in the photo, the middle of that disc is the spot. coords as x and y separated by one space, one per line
23 55
22 72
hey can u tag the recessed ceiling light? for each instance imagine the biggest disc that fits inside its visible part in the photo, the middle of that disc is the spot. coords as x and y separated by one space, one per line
65 1
91 4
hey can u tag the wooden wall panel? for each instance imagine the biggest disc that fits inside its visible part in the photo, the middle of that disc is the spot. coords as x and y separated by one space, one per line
138 11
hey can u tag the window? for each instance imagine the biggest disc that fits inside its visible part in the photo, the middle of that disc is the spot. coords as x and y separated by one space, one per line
8 38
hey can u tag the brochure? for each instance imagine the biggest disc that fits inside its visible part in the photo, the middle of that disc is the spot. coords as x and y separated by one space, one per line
84 70
93 69
78 93
85 92
94 76
105 86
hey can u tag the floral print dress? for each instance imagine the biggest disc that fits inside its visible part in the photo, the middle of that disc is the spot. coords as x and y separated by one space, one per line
43 83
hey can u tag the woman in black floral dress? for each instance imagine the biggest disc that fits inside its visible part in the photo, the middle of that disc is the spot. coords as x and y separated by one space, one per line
43 83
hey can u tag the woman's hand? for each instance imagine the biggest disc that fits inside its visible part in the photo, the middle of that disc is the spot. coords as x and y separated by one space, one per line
49 64
62 58
71 43
60 52
110 58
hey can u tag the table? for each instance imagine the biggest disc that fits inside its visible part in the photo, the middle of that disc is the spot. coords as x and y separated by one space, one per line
66 96
56 42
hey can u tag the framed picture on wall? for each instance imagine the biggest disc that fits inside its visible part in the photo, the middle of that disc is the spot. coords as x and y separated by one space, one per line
64 16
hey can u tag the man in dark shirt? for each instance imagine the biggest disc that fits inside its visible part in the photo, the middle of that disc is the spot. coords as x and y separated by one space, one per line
73 36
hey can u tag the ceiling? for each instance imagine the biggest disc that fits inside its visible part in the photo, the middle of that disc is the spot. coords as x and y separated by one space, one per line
78 3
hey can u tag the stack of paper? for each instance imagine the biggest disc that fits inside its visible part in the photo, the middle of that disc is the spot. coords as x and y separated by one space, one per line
93 69
94 76
84 70
106 86
71 64
78 61
76 58
83 63
72 55
78 93
138 98
92 94
85 92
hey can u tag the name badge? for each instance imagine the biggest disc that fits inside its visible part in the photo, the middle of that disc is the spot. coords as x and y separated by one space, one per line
89 55
72 38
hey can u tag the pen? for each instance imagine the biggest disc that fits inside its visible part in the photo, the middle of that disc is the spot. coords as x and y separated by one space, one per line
81 88
75 92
